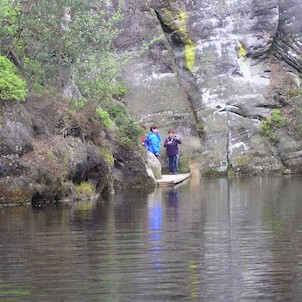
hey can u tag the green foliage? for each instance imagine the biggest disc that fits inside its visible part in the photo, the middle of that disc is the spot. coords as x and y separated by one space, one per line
9 24
80 103
277 119
61 40
200 128
269 124
98 66
101 87
12 87
119 115
104 118
35 72
130 131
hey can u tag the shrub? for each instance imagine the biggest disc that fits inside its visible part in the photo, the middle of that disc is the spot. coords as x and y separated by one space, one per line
269 124
128 127
119 115
200 128
105 118
12 87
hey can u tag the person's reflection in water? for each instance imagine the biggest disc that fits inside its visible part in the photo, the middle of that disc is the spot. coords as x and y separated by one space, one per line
172 205
155 230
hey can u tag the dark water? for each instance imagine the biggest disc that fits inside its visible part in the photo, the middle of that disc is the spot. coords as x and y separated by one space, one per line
205 240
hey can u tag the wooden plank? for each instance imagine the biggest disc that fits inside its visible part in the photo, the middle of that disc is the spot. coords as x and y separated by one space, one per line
171 180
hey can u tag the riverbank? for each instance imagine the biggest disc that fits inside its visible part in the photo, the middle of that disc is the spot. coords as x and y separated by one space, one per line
51 151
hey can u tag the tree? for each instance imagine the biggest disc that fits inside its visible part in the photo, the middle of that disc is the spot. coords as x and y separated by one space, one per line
59 40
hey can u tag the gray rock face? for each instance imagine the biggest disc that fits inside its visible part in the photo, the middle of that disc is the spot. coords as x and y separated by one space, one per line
16 136
211 74
40 164
289 36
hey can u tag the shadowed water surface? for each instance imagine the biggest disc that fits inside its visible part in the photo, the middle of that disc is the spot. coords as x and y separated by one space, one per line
205 240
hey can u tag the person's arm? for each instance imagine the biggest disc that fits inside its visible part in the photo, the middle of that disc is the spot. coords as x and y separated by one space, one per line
158 136
154 144
166 142
178 140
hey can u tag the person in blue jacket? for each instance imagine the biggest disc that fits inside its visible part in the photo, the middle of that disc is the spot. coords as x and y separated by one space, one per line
171 145
153 140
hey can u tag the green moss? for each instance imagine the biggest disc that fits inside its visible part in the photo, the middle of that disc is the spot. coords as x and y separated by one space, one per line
84 189
243 161
269 124
241 51
190 47
107 156
190 54
277 118
200 128
177 23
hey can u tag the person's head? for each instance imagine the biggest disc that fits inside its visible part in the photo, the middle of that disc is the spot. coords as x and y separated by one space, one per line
154 129
171 133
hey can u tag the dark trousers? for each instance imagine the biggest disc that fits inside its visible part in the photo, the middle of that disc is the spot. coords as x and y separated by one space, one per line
173 163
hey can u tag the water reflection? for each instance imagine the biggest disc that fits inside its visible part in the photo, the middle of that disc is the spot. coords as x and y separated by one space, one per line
155 213
212 240
172 204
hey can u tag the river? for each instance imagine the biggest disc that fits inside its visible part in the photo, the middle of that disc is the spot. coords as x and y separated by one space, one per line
204 240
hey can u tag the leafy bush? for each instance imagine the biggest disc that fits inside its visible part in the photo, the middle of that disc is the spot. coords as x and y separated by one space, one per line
119 115
104 118
12 87
130 131
71 39
9 14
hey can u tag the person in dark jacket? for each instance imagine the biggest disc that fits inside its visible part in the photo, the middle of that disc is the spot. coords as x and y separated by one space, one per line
171 145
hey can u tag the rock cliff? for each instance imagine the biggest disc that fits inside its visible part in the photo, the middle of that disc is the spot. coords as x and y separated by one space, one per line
48 153
225 74
216 71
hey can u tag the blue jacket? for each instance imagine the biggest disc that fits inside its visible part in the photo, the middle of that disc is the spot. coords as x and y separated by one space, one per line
153 142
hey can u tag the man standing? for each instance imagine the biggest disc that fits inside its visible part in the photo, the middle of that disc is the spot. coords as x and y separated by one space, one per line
171 145
153 140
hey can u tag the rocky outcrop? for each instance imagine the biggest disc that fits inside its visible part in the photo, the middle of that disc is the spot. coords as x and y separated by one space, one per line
214 71
226 75
46 155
